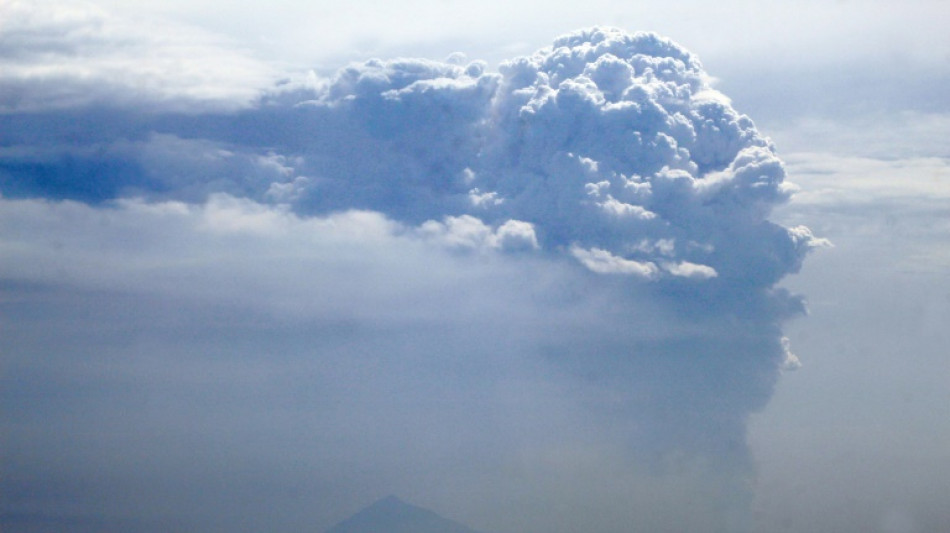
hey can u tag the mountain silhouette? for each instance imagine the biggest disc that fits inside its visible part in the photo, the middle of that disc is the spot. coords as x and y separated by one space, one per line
392 515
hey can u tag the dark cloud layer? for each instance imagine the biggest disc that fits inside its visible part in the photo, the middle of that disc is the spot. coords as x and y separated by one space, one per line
416 276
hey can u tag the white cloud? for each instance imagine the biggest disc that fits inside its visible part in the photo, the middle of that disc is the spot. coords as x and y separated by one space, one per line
831 178
791 362
516 235
68 54
603 262
613 206
469 232
686 269
487 199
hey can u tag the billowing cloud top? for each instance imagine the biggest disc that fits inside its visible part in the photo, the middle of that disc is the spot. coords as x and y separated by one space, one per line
608 147
614 146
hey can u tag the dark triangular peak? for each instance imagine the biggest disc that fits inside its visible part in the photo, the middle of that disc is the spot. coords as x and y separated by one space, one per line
392 515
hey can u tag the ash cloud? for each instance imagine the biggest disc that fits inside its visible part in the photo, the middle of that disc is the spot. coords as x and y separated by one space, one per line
494 276
602 142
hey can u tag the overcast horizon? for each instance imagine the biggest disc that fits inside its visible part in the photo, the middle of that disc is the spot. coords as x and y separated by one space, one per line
533 266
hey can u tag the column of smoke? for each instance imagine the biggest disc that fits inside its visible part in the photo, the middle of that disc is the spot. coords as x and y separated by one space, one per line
609 149
614 152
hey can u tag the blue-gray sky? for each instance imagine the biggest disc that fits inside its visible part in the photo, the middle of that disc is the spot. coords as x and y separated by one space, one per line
244 289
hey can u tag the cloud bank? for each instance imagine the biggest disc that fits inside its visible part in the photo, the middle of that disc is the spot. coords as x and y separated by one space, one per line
410 272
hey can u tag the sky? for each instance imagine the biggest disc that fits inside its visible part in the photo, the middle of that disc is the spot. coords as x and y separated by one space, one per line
266 263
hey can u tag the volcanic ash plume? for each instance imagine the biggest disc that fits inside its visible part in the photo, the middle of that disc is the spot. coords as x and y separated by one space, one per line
608 150
522 281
